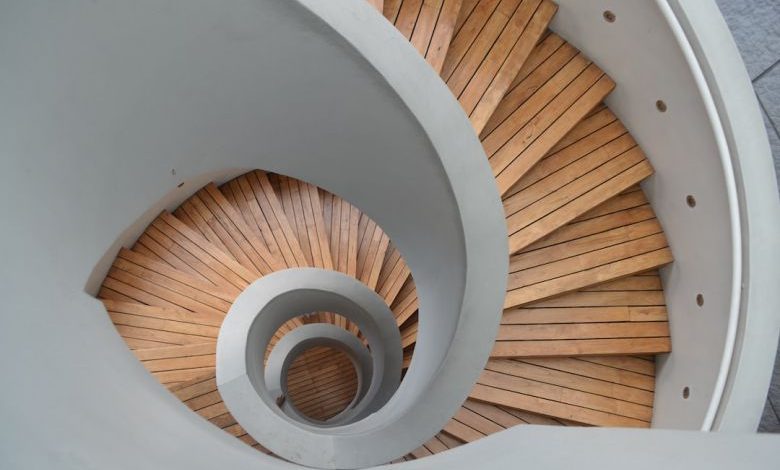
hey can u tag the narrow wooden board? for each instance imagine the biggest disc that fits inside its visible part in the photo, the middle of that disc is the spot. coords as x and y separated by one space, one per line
489 49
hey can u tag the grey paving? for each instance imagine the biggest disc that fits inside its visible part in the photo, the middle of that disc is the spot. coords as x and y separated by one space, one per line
755 25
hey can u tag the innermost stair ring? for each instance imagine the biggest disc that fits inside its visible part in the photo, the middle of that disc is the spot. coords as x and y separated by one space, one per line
245 334
318 335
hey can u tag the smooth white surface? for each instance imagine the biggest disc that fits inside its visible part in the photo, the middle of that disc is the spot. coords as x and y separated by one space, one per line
749 370
103 102
641 52
245 334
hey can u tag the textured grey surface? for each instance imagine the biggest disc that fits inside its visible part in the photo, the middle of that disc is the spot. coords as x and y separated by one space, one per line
755 25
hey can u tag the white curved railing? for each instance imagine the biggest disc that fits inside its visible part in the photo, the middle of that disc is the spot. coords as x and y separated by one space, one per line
109 106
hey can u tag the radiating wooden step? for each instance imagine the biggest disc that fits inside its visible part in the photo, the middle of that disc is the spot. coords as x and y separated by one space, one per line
303 207
406 303
597 160
476 420
599 391
321 382
255 203
149 326
393 276
554 91
438 443
173 365
626 316
202 397
427 24
146 281
598 247
493 39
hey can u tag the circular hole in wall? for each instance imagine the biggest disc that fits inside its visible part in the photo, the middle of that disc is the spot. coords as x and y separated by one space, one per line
660 106
686 392
321 382
690 200
609 17
699 300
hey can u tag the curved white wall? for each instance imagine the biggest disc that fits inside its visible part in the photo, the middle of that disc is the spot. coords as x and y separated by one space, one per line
75 172
109 106
650 56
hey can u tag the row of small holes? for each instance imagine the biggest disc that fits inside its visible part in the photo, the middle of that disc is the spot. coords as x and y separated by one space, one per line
660 105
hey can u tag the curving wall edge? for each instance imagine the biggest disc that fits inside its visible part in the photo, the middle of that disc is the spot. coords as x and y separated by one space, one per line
115 111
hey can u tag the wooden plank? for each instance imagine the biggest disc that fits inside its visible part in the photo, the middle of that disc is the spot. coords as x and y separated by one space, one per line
587 252
561 395
302 204
541 109
489 49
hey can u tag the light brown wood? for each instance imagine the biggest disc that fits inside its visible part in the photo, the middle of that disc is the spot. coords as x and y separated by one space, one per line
560 389
540 110
573 180
587 252
584 310
489 49
321 382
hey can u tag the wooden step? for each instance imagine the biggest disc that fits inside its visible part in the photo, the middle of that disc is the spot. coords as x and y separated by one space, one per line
253 206
493 39
427 24
557 88
303 207
592 249
393 276
201 396
597 162
627 316
611 391
321 382
173 365
174 242
155 326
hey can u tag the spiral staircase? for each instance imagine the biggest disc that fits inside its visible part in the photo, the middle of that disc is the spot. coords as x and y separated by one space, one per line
583 320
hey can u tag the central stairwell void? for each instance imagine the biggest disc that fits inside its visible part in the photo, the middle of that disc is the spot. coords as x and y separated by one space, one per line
584 311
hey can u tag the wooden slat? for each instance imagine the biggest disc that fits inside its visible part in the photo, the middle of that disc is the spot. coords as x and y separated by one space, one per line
560 388
489 49
393 275
573 180
427 24
587 252
301 202
626 316
321 382
541 109
372 246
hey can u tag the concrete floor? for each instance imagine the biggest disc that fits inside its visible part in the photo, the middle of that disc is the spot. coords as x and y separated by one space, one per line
755 25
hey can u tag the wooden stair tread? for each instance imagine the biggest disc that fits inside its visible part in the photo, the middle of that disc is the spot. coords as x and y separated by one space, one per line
627 316
584 308
488 49
569 182
587 252
541 109
565 389
427 24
